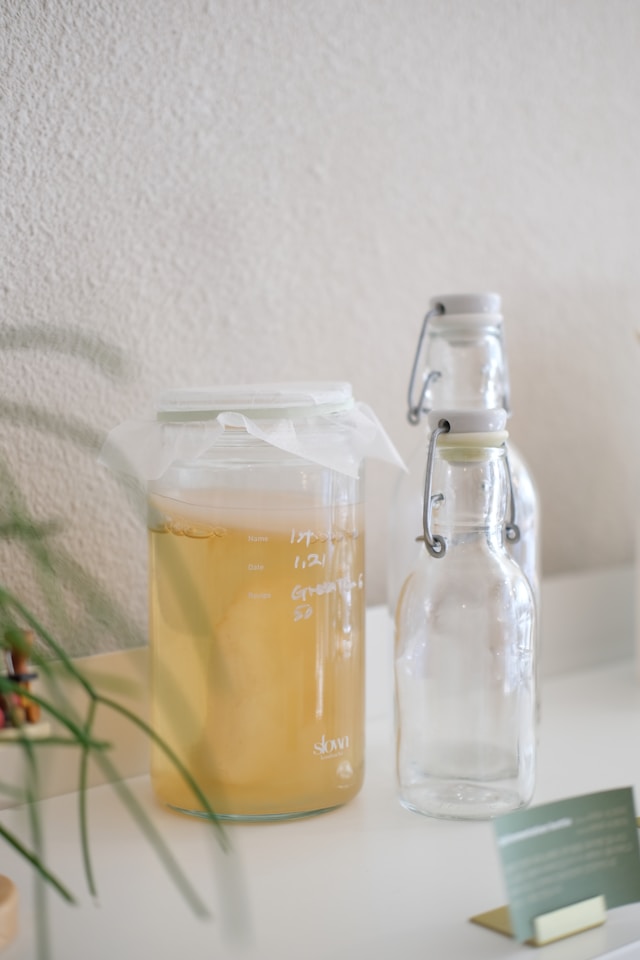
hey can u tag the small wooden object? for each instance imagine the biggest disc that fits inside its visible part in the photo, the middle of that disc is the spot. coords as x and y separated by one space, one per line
8 911
23 676
19 715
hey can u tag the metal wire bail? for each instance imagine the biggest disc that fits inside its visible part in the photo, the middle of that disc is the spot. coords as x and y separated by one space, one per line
511 529
416 409
436 545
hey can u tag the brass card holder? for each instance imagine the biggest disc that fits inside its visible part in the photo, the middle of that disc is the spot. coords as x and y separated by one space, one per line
549 927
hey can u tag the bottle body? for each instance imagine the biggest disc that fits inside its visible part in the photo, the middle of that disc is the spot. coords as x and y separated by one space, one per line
465 691
405 523
465 671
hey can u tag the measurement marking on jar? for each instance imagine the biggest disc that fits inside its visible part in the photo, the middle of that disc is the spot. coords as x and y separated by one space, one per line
302 612
343 584
311 560
255 566
307 537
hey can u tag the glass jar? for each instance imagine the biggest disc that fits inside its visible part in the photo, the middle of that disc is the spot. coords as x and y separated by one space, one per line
257 593
465 637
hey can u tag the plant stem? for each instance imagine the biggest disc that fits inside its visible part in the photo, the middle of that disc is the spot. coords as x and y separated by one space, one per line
82 803
178 764
33 859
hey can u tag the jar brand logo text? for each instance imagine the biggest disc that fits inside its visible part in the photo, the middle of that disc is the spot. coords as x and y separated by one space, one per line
331 748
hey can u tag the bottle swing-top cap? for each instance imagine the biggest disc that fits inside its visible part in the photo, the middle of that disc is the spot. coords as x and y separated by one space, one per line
464 427
465 303
453 312
470 421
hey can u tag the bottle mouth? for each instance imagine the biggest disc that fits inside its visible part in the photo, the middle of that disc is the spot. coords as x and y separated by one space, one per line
472 448
265 401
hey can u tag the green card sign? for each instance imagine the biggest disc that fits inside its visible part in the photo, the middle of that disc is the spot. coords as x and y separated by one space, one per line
567 852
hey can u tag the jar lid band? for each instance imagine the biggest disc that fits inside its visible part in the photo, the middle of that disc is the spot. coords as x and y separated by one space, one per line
265 401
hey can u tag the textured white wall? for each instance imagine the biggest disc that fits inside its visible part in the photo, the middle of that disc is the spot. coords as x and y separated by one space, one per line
271 189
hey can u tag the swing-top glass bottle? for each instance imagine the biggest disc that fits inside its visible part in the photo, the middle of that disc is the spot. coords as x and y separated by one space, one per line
465 636
460 364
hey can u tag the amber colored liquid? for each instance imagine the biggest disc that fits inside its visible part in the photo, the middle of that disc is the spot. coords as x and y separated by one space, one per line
257 622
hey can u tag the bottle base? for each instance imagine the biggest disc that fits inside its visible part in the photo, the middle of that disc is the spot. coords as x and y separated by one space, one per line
461 799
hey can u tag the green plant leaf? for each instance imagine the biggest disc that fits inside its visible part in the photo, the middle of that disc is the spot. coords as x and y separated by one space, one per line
34 860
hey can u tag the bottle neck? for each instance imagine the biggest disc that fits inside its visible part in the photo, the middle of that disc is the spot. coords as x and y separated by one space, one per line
470 494
468 368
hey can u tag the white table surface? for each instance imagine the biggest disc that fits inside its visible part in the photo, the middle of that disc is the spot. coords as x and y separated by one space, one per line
367 880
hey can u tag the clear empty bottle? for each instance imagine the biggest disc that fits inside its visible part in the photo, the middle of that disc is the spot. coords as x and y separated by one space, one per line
460 364
465 636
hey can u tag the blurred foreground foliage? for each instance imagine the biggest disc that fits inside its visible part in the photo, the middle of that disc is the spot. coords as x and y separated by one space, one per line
60 577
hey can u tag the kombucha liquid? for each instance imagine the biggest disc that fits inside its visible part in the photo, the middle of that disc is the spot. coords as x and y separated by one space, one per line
257 640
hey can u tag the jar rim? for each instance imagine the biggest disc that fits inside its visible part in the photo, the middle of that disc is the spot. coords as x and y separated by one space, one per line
296 400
